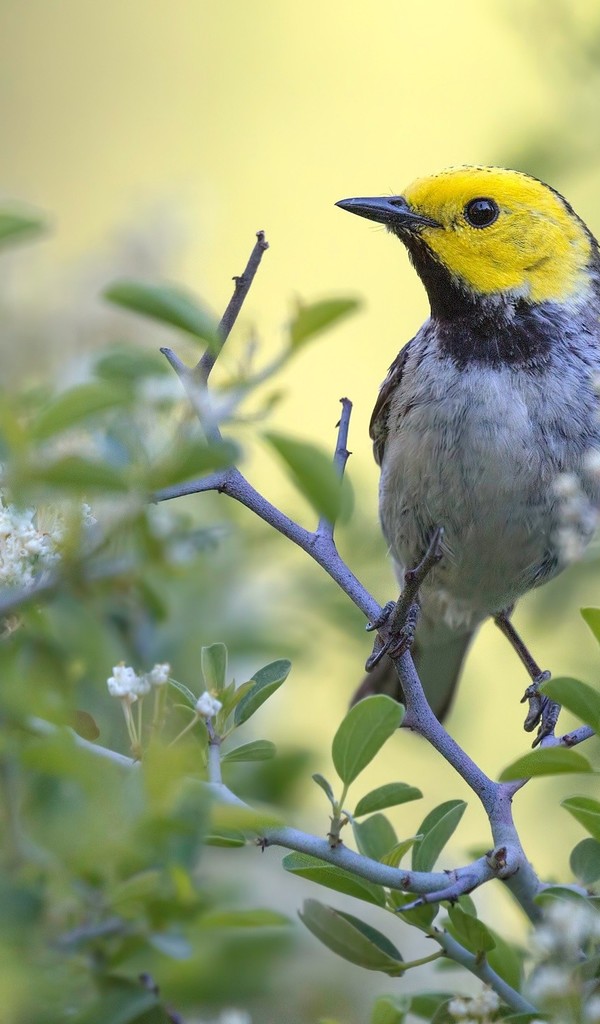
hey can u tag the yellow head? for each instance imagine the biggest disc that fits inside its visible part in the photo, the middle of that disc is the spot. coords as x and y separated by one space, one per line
493 231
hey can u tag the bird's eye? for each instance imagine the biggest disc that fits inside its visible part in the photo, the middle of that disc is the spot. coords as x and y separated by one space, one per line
480 213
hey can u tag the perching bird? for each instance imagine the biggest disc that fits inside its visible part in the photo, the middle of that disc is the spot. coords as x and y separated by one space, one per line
488 422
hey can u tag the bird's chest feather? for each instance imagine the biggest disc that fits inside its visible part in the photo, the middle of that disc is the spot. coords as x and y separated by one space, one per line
479 452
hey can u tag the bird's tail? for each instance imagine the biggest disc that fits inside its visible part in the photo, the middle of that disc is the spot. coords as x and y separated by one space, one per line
438 653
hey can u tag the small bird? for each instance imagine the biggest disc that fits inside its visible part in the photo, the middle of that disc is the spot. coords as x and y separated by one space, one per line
488 422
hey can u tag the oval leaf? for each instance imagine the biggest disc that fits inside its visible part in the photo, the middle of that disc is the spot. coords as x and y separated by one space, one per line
470 931
71 407
351 938
390 1009
266 681
585 861
17 227
213 661
312 319
436 828
325 786
375 836
591 616
167 304
76 473
586 811
319 871
315 476
389 795
362 733
577 697
257 750
548 761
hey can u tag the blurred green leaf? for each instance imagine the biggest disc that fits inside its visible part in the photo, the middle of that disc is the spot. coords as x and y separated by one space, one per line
390 1009
17 227
124 1002
311 320
470 931
84 725
425 1004
506 960
225 837
169 305
74 406
352 939
190 459
213 661
315 476
332 877
266 681
389 795
75 473
591 616
243 819
585 861
375 836
579 698
419 917
549 761
586 811
256 750
437 828
362 733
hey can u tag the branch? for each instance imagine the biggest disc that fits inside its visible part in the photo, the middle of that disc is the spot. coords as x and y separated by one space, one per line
242 287
340 458
482 970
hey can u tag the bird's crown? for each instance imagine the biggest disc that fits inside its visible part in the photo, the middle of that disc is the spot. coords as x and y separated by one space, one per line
500 231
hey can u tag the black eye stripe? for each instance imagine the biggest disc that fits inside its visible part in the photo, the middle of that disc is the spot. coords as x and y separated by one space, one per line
481 212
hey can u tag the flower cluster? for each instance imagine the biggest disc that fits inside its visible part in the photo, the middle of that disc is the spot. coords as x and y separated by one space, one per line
25 549
479 1009
126 684
567 939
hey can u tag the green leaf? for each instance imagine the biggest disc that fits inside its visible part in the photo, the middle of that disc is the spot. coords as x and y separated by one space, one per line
426 1004
591 616
351 938
17 227
419 917
329 875
254 918
169 305
437 827
73 472
181 688
266 681
375 836
315 476
577 697
249 820
311 320
71 407
470 931
362 733
506 960
586 811
548 761
389 795
190 459
393 857
390 1009
84 725
213 661
325 786
257 750
585 861
225 837
123 1002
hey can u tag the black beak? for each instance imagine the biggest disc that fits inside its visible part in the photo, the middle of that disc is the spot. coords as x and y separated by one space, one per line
393 211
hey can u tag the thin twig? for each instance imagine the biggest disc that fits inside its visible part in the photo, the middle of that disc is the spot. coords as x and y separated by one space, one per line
340 458
242 287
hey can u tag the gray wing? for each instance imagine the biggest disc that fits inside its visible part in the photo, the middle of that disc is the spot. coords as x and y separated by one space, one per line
378 427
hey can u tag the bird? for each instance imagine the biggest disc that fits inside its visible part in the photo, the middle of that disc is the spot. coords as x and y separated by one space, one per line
488 422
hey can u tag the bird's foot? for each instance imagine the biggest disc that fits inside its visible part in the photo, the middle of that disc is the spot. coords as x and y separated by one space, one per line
542 712
401 637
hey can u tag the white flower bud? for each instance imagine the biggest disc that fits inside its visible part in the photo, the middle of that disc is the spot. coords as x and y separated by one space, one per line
159 674
207 706
124 683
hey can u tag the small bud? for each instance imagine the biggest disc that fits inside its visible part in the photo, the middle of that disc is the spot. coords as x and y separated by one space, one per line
207 706
159 674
